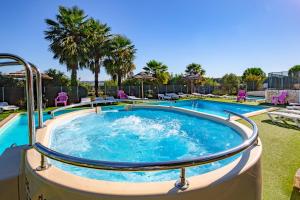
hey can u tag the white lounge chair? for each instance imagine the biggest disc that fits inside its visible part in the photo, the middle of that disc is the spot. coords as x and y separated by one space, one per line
4 106
198 94
212 96
172 95
136 98
163 97
85 100
293 107
111 99
100 100
290 111
182 95
283 116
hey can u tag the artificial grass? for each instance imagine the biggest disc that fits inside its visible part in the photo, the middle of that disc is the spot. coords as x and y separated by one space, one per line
280 158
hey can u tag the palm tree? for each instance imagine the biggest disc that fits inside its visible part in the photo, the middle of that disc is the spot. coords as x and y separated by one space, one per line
158 70
66 36
98 37
194 68
254 75
119 62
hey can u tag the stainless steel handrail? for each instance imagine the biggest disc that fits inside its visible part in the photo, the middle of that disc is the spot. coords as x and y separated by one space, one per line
38 89
91 103
151 166
29 90
39 97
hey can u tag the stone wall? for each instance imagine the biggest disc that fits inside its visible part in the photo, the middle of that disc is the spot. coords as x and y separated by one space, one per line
293 95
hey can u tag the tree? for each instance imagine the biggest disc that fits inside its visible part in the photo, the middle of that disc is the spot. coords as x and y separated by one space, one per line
119 62
230 83
177 79
158 70
254 75
98 36
59 78
194 68
295 71
66 36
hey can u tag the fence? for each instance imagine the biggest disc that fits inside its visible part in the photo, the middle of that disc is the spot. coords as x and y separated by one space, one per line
16 95
151 91
282 80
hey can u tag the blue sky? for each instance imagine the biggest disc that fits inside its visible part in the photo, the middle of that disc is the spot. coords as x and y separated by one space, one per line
222 35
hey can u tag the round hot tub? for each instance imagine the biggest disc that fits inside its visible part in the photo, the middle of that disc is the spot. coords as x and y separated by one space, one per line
144 152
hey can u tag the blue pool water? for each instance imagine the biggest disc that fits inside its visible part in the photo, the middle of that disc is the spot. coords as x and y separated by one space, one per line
16 132
256 97
141 135
213 107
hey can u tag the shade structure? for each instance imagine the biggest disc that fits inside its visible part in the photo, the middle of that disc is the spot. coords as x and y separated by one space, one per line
22 74
192 78
143 76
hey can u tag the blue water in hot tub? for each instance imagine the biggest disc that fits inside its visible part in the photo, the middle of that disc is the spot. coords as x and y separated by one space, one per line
141 135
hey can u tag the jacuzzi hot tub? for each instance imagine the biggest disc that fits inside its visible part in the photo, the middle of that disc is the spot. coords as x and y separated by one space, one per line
143 138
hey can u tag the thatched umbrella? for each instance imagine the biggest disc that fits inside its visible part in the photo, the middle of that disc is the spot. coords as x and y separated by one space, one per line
192 78
143 76
22 74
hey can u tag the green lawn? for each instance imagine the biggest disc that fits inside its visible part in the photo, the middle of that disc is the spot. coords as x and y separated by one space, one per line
280 158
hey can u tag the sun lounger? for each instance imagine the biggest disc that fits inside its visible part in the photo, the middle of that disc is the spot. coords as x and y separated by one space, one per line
135 98
212 96
293 107
198 94
5 107
111 99
85 100
290 111
163 97
182 95
172 95
100 100
283 116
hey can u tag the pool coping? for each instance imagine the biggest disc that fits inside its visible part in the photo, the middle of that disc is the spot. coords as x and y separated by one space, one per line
64 179
8 119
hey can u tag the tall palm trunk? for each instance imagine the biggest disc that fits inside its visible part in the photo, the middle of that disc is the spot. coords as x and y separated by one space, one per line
119 81
97 72
74 76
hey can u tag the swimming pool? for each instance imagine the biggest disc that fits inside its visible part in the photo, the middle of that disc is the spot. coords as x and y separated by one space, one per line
141 135
16 132
213 107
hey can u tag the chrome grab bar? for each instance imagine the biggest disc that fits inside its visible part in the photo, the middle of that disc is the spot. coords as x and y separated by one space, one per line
39 93
29 90
72 106
150 166
38 89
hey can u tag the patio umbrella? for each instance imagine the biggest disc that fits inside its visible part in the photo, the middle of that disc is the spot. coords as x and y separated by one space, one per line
192 77
143 76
